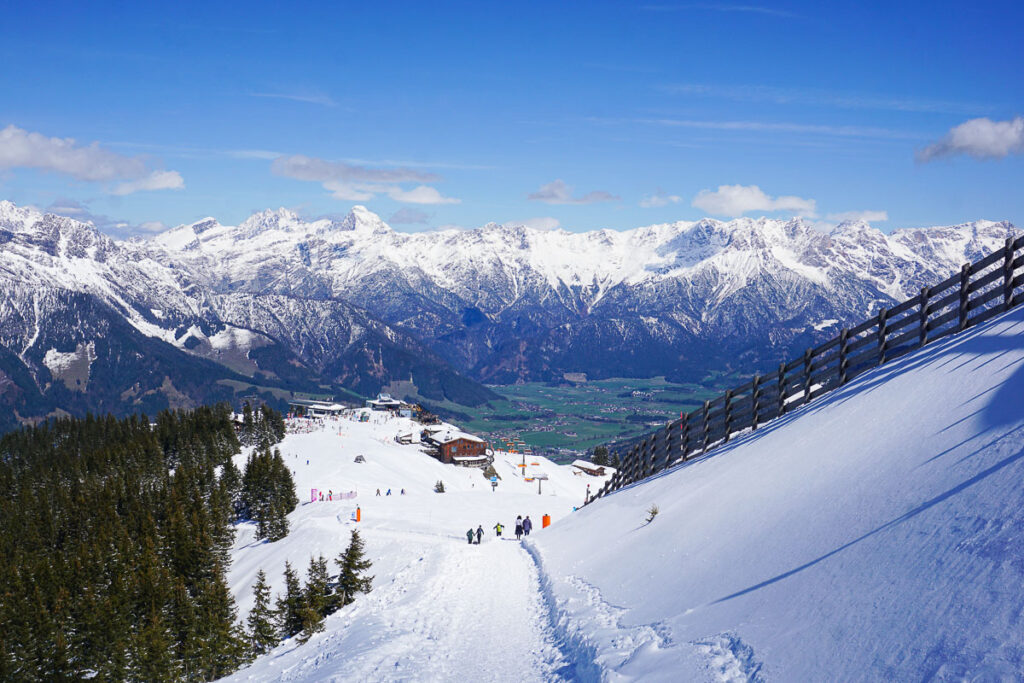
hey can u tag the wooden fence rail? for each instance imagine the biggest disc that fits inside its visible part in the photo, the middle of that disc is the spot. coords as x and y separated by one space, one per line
978 292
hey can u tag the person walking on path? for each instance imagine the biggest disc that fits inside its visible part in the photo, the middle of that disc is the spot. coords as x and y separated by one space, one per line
527 525
389 492
497 529
479 533
469 536
519 527
378 492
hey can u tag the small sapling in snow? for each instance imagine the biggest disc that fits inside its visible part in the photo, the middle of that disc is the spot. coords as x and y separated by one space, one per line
652 512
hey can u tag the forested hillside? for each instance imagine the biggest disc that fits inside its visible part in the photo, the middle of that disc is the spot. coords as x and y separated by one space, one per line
114 546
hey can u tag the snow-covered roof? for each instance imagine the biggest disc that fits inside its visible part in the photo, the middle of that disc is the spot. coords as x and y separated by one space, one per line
585 464
453 435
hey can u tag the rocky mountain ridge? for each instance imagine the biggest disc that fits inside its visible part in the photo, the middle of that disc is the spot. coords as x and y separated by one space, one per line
279 302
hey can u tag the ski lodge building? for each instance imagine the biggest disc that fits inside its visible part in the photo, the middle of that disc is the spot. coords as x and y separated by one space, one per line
454 447
300 408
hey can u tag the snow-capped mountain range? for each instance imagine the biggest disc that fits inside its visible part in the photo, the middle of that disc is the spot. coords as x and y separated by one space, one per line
279 300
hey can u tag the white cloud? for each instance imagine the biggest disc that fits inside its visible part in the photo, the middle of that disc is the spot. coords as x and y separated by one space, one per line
114 227
980 138
151 227
354 182
407 216
157 180
545 223
301 167
867 216
736 200
350 192
659 198
20 148
422 194
558 192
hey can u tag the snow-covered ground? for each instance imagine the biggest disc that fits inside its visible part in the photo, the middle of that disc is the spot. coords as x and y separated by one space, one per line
876 534
440 608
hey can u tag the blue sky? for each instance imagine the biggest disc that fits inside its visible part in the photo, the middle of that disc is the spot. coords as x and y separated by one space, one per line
581 115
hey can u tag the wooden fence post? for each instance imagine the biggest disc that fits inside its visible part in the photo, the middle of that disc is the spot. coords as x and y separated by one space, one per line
844 345
923 305
782 388
965 281
882 316
807 376
728 414
684 436
1008 274
707 414
754 393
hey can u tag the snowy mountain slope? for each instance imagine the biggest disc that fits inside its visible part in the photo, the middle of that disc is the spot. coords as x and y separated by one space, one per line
350 303
67 287
509 303
874 535
440 609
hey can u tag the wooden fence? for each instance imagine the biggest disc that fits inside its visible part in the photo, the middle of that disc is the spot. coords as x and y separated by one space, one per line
978 292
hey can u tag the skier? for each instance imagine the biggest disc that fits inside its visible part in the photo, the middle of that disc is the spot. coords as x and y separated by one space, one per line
479 533
527 525
321 496
469 536
403 492
378 492
497 529
330 494
519 528
389 492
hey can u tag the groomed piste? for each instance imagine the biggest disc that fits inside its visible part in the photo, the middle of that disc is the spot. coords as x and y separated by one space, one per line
876 534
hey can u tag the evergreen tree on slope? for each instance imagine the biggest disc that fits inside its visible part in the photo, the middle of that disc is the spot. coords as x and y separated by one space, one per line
289 606
353 565
263 634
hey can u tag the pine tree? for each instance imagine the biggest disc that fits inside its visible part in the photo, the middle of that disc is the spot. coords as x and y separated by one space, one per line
600 456
263 634
248 432
318 591
289 606
231 482
268 493
352 564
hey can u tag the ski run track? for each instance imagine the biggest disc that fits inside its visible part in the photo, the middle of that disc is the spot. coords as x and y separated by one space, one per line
875 534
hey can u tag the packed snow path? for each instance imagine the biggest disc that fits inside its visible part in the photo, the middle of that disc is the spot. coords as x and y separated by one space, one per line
455 612
440 609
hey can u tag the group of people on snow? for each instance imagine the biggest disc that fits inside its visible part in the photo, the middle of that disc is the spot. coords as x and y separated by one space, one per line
523 527
389 492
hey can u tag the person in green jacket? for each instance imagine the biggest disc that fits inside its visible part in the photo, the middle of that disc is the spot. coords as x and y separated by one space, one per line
469 536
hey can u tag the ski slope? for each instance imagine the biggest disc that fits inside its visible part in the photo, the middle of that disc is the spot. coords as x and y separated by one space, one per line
440 609
876 534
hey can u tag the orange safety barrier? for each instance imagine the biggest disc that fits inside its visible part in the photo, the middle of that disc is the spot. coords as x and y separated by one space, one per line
545 521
